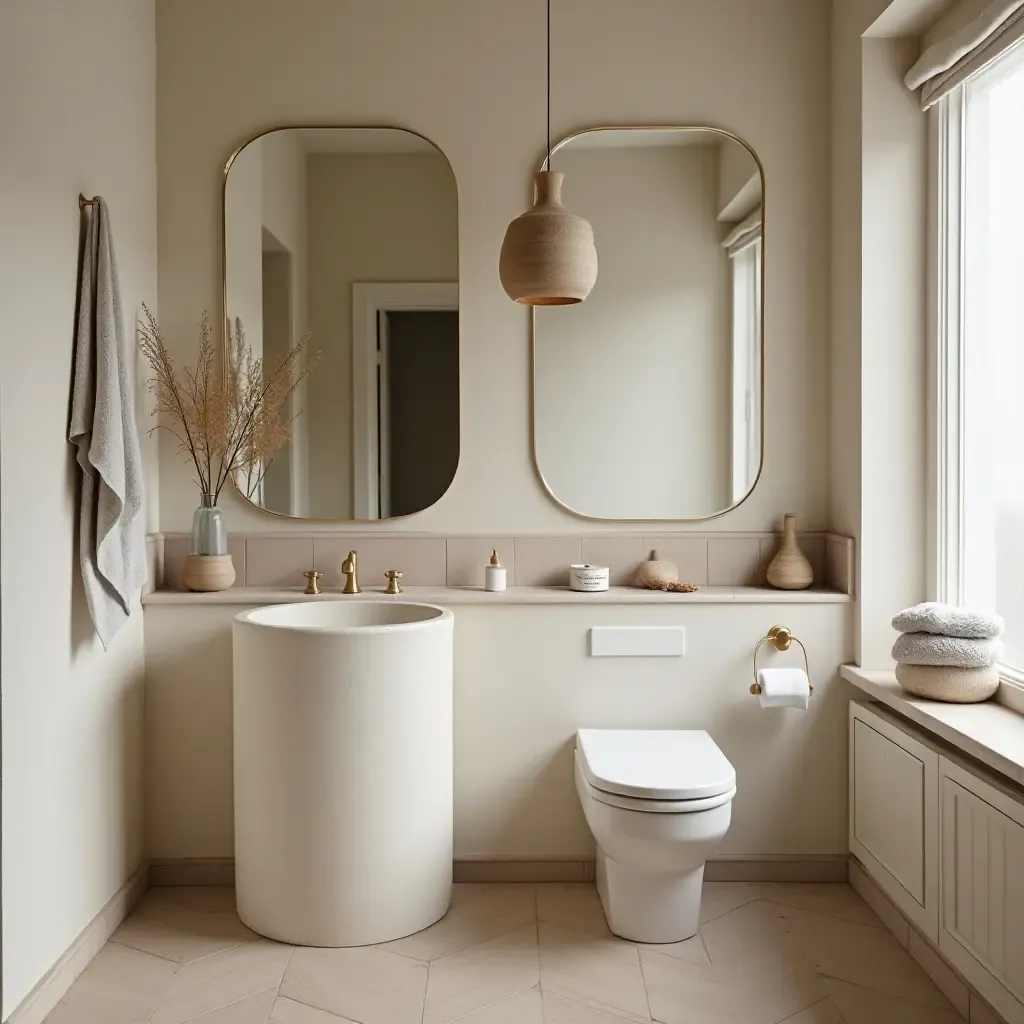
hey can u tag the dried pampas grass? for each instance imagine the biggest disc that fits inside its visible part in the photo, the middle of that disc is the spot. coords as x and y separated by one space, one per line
229 424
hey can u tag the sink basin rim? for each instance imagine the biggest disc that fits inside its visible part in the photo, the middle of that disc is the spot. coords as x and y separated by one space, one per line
252 617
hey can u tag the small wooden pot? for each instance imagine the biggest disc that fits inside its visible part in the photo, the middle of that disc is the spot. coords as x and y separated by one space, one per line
207 573
789 569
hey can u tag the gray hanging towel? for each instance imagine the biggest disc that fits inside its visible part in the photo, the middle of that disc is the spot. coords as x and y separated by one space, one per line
111 528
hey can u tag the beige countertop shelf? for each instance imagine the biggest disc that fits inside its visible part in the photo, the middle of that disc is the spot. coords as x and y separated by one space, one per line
513 595
989 732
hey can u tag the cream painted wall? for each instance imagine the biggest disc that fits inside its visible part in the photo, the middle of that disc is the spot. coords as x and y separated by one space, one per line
878 371
760 70
738 180
634 396
371 217
516 714
284 215
243 244
78 115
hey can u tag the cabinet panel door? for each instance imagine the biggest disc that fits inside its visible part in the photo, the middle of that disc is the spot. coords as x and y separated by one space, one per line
894 814
983 890
888 807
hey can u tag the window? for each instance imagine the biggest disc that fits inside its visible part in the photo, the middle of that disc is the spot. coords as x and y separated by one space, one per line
744 248
980 354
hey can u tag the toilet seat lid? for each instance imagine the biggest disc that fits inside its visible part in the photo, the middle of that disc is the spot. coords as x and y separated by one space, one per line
655 764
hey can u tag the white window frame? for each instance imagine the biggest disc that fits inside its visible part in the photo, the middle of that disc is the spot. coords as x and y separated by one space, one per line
746 340
946 365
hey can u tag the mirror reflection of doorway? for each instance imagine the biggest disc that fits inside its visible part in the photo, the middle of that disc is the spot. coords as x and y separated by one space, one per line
417 384
405 395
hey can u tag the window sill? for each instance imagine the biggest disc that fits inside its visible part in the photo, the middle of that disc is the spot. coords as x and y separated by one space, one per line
989 732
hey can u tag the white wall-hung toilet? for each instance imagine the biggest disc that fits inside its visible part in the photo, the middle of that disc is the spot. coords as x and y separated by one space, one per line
658 802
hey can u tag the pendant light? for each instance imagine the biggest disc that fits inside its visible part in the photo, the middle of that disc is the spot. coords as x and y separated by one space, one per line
548 256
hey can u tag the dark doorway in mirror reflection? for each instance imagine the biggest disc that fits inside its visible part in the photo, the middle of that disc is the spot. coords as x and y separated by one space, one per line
418 407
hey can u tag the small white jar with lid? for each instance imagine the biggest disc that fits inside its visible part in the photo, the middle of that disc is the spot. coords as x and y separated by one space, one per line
588 578
494 573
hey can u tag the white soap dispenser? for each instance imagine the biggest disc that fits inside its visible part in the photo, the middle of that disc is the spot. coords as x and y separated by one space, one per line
494 573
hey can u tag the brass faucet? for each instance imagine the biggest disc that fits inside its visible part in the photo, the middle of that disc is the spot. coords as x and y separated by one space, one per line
350 568
393 576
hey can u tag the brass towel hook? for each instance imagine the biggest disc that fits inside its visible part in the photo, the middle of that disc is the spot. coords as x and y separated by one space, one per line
83 202
781 638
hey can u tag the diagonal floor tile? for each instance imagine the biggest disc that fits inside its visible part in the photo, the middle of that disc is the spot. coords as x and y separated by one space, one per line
572 906
485 916
750 934
825 1012
862 954
473 978
253 1009
689 949
463 892
63 1013
287 1011
860 1005
559 1010
362 983
121 985
837 899
175 930
760 993
222 979
602 973
522 1008
718 898
203 899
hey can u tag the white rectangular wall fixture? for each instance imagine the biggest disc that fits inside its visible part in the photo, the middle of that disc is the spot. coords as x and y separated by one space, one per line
637 641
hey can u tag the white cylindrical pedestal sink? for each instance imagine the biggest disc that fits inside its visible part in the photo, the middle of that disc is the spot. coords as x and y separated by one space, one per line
343 769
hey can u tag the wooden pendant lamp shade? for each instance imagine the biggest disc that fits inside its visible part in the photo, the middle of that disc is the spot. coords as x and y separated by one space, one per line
548 256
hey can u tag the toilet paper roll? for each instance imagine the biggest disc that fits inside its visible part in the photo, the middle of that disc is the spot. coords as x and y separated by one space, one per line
784 688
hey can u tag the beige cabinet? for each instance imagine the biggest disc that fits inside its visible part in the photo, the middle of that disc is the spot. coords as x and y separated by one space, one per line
894 812
982 917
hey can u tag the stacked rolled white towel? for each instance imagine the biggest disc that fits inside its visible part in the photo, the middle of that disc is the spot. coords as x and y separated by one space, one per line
949 654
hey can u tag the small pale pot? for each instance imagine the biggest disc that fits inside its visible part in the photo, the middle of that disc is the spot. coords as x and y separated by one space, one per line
789 569
208 573
656 572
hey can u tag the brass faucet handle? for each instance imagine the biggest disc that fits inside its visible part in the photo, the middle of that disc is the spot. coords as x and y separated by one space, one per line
393 576
350 570
312 577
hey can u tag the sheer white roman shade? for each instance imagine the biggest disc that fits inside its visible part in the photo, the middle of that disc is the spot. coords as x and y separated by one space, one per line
747 231
951 61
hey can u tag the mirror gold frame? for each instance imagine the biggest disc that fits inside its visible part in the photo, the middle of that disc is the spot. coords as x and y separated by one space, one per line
224 291
533 329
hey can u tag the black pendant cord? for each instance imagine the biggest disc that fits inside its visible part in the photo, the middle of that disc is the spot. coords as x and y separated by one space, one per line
549 86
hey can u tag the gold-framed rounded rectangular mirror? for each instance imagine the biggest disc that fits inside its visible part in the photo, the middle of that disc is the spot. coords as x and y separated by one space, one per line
349 235
648 398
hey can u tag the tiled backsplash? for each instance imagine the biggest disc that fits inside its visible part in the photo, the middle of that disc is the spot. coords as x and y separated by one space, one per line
269 560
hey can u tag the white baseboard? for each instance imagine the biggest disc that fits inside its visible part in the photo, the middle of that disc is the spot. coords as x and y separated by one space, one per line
221 870
52 987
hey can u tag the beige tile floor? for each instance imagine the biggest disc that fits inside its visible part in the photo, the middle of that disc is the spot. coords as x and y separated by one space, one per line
516 954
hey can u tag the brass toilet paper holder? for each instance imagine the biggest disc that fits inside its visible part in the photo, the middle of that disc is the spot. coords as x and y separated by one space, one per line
781 638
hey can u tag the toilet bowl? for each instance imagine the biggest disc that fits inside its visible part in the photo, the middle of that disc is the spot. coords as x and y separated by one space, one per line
658 802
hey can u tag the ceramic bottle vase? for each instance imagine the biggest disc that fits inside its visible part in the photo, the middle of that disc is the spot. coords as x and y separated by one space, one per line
789 569
208 566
